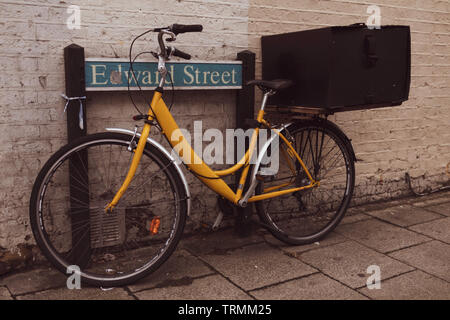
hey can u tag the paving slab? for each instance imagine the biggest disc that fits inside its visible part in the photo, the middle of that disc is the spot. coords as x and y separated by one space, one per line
88 293
405 215
218 241
331 238
437 229
379 205
415 285
355 210
313 287
438 198
432 257
354 218
214 287
4 294
34 280
180 267
257 266
443 209
347 262
381 236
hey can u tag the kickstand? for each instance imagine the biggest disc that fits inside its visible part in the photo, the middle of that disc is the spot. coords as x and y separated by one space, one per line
218 221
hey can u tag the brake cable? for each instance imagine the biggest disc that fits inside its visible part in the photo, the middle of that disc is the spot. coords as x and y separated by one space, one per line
141 114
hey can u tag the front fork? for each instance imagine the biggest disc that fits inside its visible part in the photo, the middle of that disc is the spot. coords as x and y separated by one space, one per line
138 151
133 167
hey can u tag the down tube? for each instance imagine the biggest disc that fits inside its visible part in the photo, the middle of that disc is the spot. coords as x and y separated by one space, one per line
190 158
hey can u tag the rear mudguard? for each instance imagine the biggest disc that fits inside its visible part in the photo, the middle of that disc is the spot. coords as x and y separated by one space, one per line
337 130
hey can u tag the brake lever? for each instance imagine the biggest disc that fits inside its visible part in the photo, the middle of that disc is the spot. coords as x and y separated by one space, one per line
172 35
161 40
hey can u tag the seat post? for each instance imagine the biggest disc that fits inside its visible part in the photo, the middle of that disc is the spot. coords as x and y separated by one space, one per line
266 95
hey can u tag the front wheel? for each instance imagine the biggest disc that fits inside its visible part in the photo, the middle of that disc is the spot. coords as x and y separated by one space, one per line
116 248
308 215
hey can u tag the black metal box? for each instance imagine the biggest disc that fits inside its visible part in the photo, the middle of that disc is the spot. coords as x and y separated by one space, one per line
340 68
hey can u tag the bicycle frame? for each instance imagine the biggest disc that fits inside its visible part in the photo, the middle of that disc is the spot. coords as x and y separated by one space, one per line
158 111
209 177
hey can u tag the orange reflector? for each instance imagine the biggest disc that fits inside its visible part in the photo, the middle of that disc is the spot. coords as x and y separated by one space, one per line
154 225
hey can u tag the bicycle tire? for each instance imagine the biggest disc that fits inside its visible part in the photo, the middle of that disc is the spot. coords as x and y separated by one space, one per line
345 149
61 261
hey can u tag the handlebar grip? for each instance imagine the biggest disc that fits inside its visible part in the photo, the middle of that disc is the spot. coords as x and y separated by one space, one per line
181 54
182 28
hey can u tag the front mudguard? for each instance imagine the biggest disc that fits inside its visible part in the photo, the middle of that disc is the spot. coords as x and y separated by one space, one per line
158 146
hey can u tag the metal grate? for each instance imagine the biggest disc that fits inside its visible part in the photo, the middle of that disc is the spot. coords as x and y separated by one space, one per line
107 229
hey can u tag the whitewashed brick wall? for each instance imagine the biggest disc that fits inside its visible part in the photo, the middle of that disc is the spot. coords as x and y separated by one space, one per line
413 138
32 124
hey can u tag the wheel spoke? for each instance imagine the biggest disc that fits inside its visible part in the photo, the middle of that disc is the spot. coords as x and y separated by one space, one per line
302 216
75 226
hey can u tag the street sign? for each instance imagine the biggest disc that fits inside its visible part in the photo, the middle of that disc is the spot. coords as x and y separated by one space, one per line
107 74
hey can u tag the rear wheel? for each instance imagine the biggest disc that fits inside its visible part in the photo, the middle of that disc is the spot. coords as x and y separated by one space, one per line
308 215
111 249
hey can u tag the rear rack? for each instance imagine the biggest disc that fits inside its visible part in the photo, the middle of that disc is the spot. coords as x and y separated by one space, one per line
279 114
283 113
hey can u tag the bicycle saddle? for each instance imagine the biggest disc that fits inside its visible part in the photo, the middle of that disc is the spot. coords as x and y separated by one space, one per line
276 85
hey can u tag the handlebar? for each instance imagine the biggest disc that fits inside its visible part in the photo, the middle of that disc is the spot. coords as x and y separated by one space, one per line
183 28
172 31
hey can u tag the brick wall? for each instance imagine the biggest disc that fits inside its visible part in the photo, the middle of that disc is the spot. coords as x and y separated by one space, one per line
32 124
414 137
392 141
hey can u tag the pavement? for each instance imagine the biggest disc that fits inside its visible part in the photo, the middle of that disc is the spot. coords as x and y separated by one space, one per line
407 239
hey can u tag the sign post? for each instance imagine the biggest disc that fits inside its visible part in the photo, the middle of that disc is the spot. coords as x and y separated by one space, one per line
110 74
79 181
245 102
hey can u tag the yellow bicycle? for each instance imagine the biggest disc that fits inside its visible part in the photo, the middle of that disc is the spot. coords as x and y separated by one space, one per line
115 203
